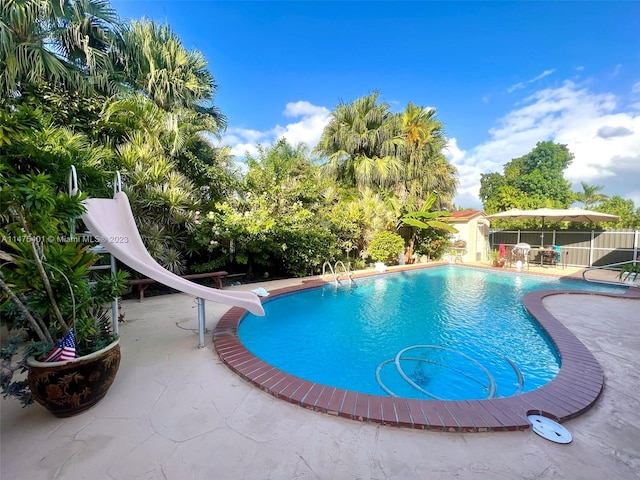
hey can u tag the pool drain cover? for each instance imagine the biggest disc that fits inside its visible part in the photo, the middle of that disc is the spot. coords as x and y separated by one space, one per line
547 428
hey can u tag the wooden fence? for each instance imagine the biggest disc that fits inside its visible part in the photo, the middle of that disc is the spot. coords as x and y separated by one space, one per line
581 248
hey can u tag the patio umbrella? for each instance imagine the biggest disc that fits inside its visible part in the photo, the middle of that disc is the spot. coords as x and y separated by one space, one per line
554 214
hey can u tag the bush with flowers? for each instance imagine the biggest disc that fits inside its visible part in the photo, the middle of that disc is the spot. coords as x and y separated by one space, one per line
288 240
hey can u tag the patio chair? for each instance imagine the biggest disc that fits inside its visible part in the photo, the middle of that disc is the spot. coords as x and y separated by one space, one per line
520 253
558 255
550 255
508 256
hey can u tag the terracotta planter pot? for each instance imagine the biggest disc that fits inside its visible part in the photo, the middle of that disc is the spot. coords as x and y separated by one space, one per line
498 263
71 387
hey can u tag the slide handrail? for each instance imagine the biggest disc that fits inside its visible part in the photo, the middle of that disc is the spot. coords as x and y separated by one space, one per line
609 267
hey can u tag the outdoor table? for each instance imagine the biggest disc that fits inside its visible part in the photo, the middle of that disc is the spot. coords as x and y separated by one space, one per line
456 254
545 252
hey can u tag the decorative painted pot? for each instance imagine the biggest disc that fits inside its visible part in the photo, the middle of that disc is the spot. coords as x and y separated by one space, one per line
70 387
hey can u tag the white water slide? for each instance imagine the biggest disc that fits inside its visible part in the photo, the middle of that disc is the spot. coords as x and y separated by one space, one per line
111 221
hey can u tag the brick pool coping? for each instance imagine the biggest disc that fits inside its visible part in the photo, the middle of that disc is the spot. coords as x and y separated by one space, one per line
573 390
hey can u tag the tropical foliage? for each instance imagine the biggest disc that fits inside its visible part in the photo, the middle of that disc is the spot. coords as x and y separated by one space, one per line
431 223
367 145
534 180
624 208
434 243
156 63
386 246
79 86
62 43
274 222
425 218
590 197
30 142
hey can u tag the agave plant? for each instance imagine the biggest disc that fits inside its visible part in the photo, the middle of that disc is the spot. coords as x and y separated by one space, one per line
629 272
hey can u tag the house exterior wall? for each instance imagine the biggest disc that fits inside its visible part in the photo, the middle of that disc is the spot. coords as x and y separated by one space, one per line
476 233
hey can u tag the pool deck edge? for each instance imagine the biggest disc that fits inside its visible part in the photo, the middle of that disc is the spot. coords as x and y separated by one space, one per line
575 389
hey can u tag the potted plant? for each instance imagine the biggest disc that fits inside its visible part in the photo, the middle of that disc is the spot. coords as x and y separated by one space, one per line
384 248
496 259
48 293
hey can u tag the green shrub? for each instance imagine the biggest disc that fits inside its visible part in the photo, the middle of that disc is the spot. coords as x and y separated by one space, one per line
385 246
433 243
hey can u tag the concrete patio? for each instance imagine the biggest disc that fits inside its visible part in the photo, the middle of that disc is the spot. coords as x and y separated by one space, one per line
176 412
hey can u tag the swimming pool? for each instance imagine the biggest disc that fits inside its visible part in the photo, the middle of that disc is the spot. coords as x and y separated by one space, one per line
445 333
575 388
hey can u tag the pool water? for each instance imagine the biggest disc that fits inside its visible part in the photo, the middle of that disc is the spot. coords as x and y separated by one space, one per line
450 333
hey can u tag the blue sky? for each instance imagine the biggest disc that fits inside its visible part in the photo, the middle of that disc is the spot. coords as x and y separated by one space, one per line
501 75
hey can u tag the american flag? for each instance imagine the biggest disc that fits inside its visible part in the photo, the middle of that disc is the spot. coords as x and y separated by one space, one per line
65 350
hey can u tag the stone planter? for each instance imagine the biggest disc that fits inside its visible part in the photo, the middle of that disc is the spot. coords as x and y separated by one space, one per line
70 387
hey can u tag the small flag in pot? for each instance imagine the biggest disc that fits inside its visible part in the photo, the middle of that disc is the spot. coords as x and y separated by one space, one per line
65 350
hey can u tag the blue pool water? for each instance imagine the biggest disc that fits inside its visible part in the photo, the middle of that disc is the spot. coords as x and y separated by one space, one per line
448 332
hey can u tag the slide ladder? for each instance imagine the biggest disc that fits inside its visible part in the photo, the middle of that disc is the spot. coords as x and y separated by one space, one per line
111 222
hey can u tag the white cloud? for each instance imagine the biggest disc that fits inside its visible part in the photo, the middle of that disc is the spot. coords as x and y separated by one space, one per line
243 140
308 129
520 85
303 108
568 115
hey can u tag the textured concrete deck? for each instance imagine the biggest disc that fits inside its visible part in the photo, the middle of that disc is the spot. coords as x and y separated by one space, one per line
177 412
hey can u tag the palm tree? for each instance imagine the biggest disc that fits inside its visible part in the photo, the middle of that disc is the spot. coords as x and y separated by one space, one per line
360 143
184 135
589 196
420 127
60 42
173 130
441 177
379 214
163 201
280 166
367 145
156 63
426 168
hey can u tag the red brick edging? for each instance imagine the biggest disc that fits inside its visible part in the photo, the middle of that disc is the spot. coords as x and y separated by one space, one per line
574 390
